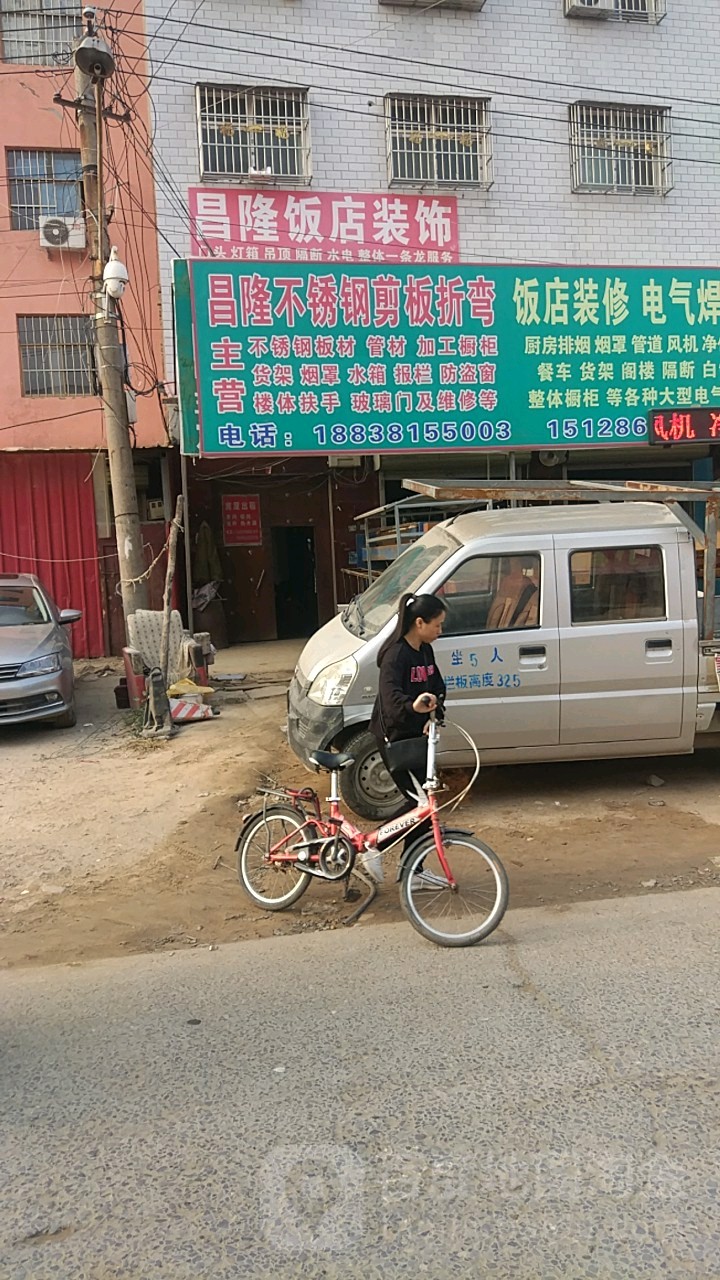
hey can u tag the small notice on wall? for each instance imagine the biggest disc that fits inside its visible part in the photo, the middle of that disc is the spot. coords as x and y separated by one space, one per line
241 520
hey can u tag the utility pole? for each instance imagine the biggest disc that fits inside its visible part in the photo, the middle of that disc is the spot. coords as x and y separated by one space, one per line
94 63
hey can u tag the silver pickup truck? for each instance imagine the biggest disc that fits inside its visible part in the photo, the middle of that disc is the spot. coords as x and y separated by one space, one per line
572 632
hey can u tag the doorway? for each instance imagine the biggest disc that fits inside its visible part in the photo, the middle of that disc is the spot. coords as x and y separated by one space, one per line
296 605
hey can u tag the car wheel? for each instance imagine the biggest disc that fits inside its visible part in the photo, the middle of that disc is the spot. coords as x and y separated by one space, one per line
67 719
366 785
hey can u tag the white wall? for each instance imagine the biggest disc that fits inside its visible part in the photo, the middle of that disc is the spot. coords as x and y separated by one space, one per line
530 213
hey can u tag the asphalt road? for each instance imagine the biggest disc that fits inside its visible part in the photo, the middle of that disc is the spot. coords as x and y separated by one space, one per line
361 1104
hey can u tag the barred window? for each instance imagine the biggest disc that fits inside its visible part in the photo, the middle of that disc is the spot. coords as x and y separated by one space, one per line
39 32
438 140
246 133
620 149
649 11
641 10
43 184
56 355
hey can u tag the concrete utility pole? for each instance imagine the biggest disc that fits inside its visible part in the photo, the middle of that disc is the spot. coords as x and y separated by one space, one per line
94 63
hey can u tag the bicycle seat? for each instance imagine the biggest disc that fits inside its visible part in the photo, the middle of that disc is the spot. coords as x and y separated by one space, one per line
331 760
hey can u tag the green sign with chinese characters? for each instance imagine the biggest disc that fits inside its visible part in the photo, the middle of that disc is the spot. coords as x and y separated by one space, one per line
304 358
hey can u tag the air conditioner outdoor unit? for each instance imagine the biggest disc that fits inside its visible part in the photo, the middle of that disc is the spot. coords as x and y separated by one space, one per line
589 8
62 233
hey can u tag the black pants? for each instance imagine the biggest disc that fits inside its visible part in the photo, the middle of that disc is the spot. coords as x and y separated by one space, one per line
405 784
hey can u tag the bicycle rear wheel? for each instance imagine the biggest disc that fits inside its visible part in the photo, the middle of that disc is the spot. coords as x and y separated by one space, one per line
272 885
462 916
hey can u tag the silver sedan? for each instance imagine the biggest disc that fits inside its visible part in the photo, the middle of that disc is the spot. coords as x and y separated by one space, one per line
36 670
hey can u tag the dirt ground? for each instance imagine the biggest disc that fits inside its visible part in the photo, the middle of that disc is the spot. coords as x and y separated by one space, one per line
112 844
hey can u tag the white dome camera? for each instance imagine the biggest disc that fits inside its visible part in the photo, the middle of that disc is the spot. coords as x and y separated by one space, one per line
115 276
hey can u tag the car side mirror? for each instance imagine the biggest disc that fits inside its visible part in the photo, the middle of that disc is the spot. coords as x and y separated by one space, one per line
69 615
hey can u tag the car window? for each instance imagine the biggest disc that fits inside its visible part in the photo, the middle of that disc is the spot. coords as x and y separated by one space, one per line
22 607
617 584
493 593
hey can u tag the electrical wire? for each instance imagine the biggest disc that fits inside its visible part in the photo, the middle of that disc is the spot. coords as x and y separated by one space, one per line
183 215
186 216
272 37
494 133
56 417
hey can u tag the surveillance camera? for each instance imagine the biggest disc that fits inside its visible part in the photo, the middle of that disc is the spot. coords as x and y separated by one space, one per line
115 275
88 13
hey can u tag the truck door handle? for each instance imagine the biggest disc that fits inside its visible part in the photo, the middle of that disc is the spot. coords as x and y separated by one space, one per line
533 657
659 646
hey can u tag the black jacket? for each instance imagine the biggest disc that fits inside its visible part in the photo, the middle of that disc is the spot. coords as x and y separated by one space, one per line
405 672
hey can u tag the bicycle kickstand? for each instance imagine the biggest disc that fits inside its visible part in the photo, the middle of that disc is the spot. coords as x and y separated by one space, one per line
371 885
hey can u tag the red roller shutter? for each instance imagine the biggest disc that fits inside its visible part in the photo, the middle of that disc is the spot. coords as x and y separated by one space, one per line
47 527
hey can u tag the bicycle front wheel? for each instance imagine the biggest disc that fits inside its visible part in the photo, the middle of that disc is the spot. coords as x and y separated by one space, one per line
462 916
272 885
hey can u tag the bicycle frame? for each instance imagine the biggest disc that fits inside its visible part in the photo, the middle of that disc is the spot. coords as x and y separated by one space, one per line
326 829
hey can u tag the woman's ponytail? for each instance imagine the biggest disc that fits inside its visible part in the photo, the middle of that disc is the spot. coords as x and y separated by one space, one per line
411 607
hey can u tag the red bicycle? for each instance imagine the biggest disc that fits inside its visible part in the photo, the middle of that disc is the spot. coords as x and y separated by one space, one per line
453 887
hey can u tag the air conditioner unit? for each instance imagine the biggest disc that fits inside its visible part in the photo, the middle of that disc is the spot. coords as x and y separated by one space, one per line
589 8
62 233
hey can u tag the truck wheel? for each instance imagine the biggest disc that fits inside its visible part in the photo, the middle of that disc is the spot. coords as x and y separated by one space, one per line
366 785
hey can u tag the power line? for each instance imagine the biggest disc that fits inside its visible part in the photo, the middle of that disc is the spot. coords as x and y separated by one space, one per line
494 133
268 36
377 116
58 417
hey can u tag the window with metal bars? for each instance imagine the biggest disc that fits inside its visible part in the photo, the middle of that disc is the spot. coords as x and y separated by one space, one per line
648 11
56 356
39 32
438 141
620 149
43 184
246 133
641 10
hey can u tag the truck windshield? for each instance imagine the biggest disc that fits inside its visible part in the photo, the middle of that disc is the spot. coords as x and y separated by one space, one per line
367 614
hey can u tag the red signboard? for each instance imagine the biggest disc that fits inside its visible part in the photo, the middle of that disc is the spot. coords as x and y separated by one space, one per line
318 226
242 526
685 426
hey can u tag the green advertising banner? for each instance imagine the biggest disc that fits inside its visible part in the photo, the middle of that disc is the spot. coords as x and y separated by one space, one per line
323 358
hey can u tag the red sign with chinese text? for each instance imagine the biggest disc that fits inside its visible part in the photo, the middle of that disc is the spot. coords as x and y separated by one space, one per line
290 226
242 526
691 426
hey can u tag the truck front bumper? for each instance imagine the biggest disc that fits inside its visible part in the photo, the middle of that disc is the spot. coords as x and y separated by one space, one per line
310 727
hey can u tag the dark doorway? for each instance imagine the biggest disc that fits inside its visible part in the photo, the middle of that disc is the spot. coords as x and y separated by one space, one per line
296 606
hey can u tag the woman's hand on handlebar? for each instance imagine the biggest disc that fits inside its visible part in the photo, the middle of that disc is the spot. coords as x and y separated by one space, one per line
425 702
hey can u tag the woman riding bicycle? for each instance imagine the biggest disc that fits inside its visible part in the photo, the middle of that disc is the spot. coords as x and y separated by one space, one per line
410 687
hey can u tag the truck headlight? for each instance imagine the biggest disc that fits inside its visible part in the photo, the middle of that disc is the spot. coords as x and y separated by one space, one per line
331 684
41 666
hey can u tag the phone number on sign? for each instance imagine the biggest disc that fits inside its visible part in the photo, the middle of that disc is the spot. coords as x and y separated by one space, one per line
603 429
377 433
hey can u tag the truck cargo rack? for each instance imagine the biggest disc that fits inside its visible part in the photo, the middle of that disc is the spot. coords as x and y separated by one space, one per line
387 531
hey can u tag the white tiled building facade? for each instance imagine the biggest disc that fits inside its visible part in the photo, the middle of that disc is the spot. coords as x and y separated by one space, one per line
529 62
566 138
